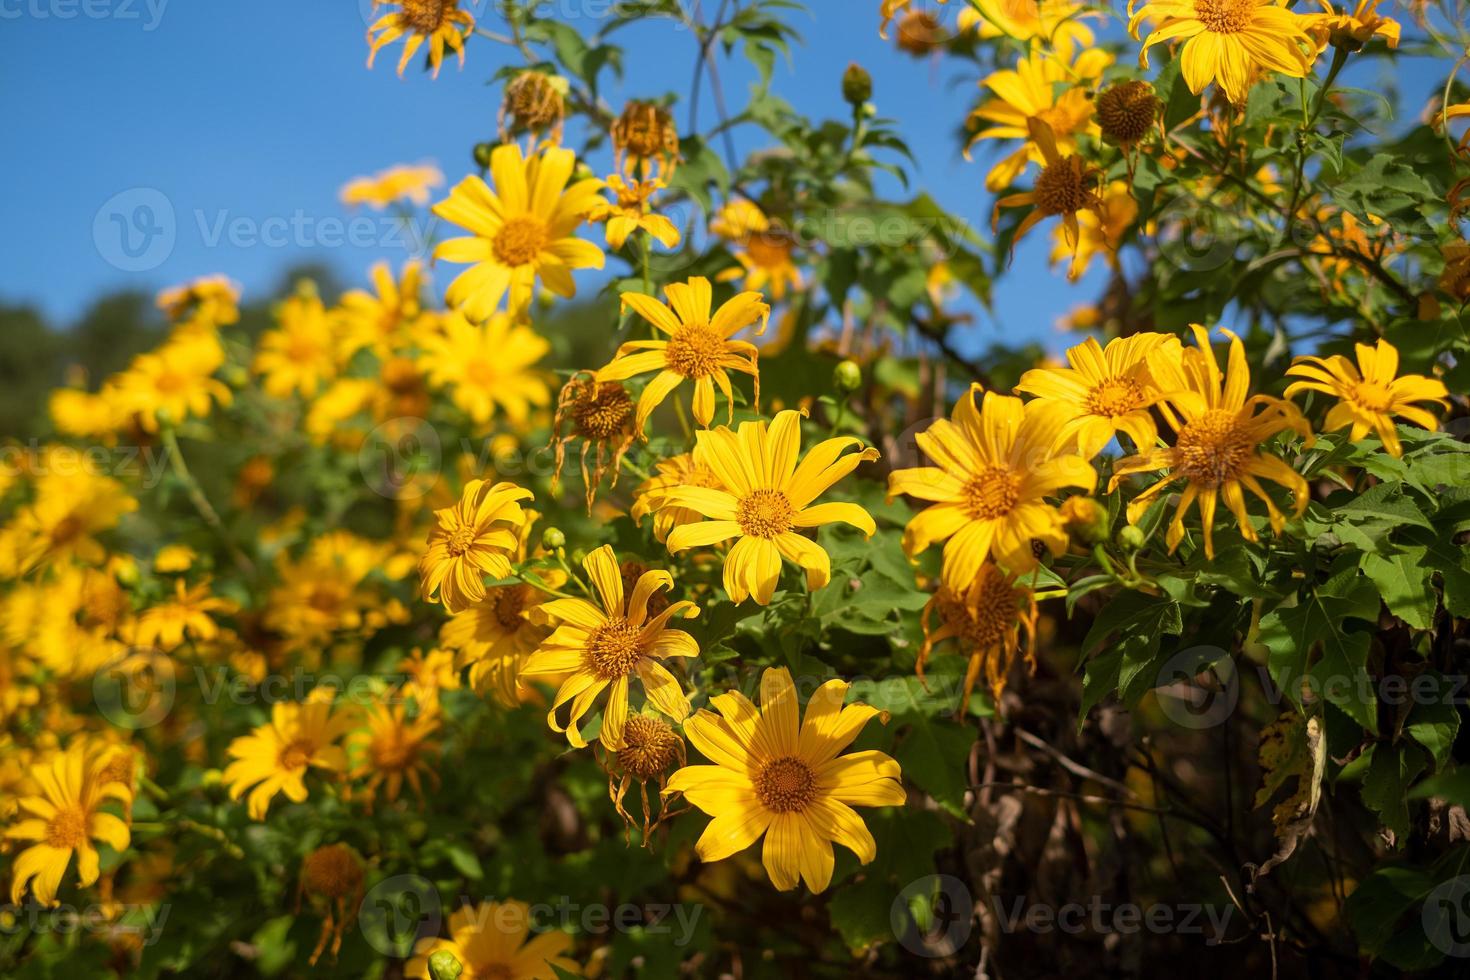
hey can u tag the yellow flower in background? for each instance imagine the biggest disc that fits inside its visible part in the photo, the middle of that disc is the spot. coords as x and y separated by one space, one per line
190 612
522 230
87 415
387 320
766 262
474 538
325 591
275 757
1044 86
81 624
986 621
1221 429
300 355
209 301
488 368
995 468
391 749
402 182
174 558
1350 31
1104 391
777 775
70 509
63 818
1056 22
603 649
738 219
490 941
764 499
1065 187
440 22
1370 393
890 9
630 210
683 470
176 381
1099 231
698 347
1230 42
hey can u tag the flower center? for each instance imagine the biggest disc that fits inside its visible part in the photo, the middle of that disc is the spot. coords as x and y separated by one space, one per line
649 746
296 754
325 598
510 605
1060 189
1224 16
494 971
695 351
390 751
992 493
919 32
333 871
67 529
769 250
786 785
68 829
1372 397
614 650
168 382
1114 397
1213 448
1126 111
424 16
460 540
520 241
985 614
605 414
765 514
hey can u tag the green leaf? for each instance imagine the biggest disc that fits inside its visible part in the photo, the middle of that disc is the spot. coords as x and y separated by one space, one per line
1434 721
1385 786
1405 585
1317 621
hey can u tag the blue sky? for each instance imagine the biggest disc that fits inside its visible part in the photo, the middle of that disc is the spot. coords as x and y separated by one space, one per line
244 120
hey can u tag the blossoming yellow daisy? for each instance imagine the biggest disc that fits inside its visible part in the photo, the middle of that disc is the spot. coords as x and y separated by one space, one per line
996 467
1104 391
190 612
490 941
604 649
440 22
788 779
211 301
470 540
488 368
1057 22
1370 393
392 748
630 210
275 757
1351 30
1221 429
1230 42
765 499
301 353
1065 187
69 511
402 182
62 819
387 320
521 231
175 381
699 347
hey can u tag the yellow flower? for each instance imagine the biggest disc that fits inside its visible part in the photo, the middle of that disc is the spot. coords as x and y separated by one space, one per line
985 620
738 219
1230 42
301 353
683 470
63 818
166 624
210 301
70 509
489 941
391 749
470 540
85 415
1044 86
1065 187
699 347
275 757
440 22
522 230
1369 393
403 182
1220 433
604 649
325 591
995 468
176 381
1105 391
630 210
1350 31
174 558
489 367
765 259
1057 22
763 498
776 775
1100 231
387 321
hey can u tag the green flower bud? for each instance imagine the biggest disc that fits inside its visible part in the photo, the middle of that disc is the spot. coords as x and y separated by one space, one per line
857 84
482 155
1130 538
444 966
847 377
552 538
